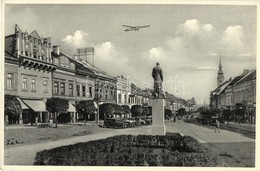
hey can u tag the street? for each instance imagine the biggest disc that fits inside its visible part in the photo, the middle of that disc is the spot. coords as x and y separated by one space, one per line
234 149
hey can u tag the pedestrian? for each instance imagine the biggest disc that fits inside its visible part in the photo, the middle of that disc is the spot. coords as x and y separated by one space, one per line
217 126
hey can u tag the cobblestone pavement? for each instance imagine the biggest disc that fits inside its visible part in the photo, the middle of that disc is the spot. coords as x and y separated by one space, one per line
233 148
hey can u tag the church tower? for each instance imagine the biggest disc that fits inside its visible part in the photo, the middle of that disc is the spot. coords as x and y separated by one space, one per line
220 78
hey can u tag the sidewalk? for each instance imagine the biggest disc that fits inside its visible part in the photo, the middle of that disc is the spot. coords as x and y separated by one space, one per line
244 126
24 155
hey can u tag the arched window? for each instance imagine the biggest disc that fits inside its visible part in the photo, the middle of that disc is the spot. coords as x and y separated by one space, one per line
26 49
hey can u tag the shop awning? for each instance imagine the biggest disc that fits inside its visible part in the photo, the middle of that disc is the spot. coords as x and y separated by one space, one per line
36 105
22 104
71 108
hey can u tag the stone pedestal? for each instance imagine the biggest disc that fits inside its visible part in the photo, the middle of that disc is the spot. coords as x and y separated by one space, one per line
158 127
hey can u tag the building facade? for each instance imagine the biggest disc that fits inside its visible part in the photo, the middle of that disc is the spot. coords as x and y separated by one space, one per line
237 95
28 73
123 90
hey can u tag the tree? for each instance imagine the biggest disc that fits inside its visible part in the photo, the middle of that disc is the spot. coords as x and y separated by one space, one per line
108 109
146 111
57 106
182 111
136 110
126 109
167 113
13 108
86 108
150 110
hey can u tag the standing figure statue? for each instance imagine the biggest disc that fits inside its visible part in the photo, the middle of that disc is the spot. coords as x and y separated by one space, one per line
158 79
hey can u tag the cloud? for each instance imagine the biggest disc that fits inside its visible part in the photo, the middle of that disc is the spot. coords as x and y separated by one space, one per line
111 59
233 38
195 68
189 51
78 40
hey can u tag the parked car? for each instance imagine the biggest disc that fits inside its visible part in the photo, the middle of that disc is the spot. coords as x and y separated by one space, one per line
130 122
114 123
140 121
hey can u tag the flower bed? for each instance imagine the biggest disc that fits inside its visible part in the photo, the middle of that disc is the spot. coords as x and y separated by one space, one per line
128 150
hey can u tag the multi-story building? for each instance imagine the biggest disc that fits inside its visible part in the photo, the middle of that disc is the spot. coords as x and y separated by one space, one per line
64 80
28 73
103 86
237 93
123 90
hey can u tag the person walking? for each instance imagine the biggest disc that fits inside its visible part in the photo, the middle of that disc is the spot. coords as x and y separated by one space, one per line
217 126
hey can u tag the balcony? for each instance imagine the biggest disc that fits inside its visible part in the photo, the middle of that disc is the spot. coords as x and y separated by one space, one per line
33 63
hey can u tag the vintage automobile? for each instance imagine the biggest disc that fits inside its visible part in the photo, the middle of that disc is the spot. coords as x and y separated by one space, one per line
140 121
114 123
130 122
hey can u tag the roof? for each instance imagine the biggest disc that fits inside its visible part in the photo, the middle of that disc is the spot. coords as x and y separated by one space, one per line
251 75
221 88
10 44
35 34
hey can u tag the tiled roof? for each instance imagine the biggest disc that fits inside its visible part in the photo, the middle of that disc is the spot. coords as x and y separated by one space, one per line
251 75
10 44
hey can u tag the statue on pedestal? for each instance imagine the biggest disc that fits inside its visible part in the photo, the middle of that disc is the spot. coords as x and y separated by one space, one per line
158 79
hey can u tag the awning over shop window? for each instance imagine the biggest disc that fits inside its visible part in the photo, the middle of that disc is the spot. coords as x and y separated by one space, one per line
71 108
36 105
22 104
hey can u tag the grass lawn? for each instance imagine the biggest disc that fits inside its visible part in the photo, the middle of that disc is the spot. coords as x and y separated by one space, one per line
39 135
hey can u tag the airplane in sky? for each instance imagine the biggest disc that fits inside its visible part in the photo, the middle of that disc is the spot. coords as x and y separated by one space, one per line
134 28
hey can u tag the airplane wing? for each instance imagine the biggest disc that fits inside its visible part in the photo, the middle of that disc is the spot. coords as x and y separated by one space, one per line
128 26
144 26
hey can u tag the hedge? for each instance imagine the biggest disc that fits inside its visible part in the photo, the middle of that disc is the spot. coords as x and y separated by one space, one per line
129 150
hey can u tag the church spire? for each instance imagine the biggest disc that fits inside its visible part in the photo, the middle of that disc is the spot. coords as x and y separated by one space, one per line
220 78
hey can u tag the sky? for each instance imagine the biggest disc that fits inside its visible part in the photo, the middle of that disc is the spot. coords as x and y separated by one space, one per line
187 40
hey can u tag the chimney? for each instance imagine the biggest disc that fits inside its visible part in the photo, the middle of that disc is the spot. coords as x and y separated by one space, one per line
56 49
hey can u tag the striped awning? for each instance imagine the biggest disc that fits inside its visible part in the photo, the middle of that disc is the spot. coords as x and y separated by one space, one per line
24 106
36 105
71 108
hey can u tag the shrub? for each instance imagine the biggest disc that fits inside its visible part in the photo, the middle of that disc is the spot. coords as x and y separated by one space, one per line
12 108
129 150
136 110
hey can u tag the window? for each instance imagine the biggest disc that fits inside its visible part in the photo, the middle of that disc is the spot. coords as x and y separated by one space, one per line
34 54
71 89
125 100
25 84
10 81
45 86
78 89
111 97
119 98
33 85
56 61
56 88
84 90
106 94
90 92
26 50
62 88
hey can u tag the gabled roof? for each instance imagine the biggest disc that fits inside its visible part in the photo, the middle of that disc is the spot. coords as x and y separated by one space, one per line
251 75
35 34
221 87
10 44
17 28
